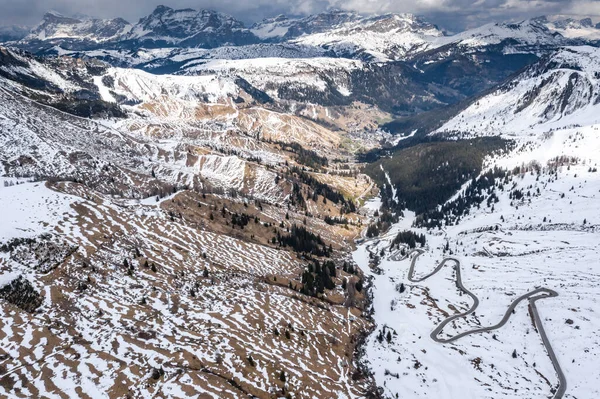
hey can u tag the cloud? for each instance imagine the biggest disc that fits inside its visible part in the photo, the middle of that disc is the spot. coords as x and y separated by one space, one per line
583 8
452 14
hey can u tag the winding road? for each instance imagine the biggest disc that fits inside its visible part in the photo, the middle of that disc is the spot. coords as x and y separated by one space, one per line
532 296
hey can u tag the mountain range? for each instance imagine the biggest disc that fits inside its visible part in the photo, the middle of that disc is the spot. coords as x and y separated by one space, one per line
396 53
298 208
383 37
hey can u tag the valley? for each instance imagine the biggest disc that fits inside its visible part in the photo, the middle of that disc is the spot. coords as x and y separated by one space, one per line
328 206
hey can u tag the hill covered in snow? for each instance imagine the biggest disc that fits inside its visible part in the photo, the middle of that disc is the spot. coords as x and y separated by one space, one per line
558 92
332 206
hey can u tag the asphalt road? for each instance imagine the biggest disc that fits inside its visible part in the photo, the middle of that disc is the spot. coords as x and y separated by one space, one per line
532 296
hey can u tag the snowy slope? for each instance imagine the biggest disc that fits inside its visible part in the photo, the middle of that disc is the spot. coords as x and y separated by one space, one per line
139 86
37 140
273 28
542 243
284 28
522 35
506 246
31 209
381 38
559 91
267 73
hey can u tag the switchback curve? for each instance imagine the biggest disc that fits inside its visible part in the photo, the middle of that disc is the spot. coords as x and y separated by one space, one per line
533 296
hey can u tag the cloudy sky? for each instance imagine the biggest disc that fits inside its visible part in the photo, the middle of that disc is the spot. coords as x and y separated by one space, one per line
449 14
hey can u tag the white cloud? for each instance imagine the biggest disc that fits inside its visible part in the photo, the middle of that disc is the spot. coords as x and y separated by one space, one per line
584 8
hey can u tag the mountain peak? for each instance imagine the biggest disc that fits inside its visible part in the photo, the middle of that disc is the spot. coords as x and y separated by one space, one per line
161 9
586 22
56 17
56 27
188 27
53 13
571 27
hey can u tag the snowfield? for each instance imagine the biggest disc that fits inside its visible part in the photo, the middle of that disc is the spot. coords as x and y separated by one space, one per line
525 253
136 85
30 209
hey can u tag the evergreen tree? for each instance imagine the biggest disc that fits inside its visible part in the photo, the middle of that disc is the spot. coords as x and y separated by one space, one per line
359 285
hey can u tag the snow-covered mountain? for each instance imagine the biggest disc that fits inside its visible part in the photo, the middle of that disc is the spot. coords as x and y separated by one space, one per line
516 37
380 38
349 34
163 27
340 34
559 91
179 207
79 33
188 28
572 27
283 28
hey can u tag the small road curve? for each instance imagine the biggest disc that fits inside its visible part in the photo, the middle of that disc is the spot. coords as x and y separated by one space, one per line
532 296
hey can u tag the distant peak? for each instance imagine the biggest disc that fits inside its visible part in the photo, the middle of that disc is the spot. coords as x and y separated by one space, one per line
53 13
338 11
55 16
161 9
586 22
